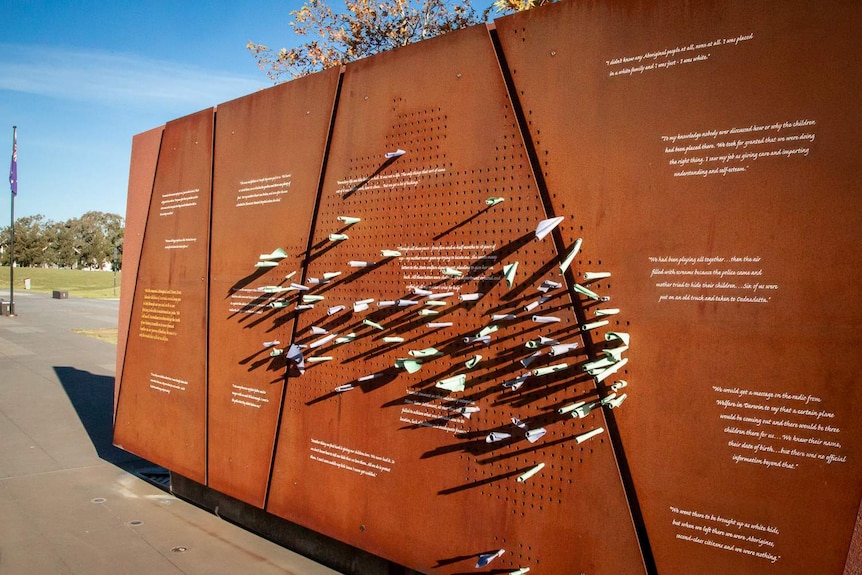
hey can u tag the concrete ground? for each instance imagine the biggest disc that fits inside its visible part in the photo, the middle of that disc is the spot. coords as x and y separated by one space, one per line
70 502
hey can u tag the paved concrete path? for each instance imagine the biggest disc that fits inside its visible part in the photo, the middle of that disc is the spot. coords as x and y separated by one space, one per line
70 502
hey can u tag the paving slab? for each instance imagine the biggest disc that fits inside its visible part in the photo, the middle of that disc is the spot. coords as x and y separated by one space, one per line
71 502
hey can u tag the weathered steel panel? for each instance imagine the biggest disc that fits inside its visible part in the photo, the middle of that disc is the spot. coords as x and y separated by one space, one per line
708 153
383 457
142 172
269 151
161 411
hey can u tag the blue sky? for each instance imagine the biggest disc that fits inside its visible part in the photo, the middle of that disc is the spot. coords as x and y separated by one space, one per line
81 77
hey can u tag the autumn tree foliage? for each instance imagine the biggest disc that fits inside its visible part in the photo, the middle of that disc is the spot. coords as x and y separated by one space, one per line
364 27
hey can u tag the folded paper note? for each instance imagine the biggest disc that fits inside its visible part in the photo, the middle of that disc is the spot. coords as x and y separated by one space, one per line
469 296
311 298
567 261
345 387
533 305
427 352
322 341
305 306
452 272
492 201
338 237
503 317
562 348
318 330
487 330
425 312
334 309
330 275
439 324
545 227
266 264
617 335
277 304
528 474
409 365
548 285
585 436
276 254
550 369
468 410
393 339
586 291
390 253
618 385
421 292
386 303
272 289
290 275
359 264
272 343
534 435
319 359
610 371
607 311
395 154
345 338
299 287
516 383
276 352
473 361
509 271
530 359
545 319
615 353
616 401
486 558
486 339
496 436
348 220
441 295
361 305
454 383
571 407
521 571
590 276
406 302
594 325
434 302
294 354
372 324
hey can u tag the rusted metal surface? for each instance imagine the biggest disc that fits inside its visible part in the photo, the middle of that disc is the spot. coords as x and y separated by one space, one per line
142 172
269 151
383 458
736 274
161 410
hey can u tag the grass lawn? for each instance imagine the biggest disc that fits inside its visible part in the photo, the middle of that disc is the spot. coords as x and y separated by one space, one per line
79 283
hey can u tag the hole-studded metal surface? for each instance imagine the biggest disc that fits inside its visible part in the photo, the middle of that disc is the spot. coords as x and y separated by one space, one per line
697 177
355 423
269 150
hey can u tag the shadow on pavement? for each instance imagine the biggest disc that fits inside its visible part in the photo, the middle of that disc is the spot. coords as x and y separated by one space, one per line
92 396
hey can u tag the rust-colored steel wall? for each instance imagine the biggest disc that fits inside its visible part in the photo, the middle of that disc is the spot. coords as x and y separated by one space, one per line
142 172
707 152
702 160
435 492
268 155
161 408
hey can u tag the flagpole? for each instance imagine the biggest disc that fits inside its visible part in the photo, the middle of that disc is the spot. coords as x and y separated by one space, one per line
13 185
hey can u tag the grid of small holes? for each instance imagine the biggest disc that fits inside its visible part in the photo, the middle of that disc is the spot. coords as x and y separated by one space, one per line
446 198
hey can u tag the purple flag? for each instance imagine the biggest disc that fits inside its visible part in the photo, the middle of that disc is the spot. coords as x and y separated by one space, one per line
13 169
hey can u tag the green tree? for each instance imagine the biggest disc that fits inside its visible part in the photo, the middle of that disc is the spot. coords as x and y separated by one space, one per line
364 28
30 241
